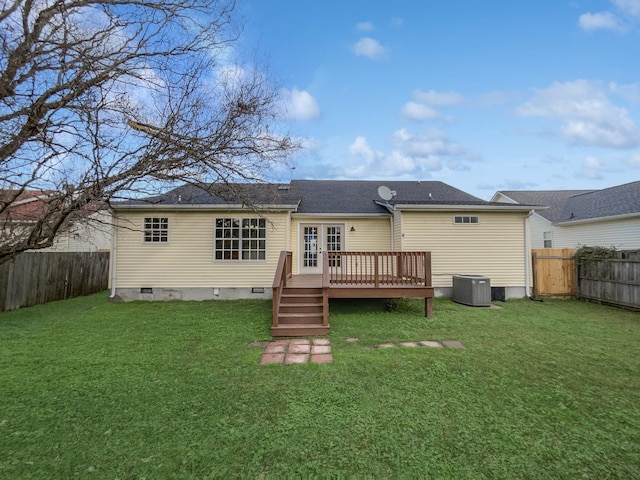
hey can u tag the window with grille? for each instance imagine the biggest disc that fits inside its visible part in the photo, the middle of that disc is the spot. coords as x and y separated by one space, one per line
465 219
156 229
240 239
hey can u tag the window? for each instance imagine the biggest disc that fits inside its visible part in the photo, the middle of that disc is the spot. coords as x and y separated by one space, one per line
156 229
548 239
240 239
460 219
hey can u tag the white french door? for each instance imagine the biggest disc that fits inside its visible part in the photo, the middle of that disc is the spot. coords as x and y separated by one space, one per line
315 239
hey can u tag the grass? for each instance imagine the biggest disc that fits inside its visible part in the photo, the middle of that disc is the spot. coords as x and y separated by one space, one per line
90 389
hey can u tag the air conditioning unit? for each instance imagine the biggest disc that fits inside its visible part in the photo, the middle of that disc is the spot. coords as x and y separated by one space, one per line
473 290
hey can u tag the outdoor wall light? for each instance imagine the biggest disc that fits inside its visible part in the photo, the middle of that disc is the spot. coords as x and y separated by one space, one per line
353 229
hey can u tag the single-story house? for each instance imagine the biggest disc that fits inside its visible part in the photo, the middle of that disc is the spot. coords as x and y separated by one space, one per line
609 217
194 243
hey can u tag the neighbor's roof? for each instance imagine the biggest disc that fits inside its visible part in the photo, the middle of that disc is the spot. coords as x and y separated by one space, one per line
608 202
320 197
554 199
581 205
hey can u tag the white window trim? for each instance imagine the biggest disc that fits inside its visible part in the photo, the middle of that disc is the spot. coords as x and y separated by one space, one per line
159 230
240 240
462 222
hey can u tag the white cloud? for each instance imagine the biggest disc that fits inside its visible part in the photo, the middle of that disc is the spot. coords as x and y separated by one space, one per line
412 155
599 21
628 91
397 22
364 26
299 105
419 112
438 99
421 108
592 169
629 7
588 116
627 13
361 148
370 48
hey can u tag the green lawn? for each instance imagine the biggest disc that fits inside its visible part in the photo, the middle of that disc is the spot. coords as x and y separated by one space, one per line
90 389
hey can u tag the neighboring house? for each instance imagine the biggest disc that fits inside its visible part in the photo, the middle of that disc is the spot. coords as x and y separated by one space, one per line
609 217
191 244
91 234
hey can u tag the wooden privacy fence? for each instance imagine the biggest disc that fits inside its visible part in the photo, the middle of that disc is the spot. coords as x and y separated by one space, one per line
615 281
554 272
33 278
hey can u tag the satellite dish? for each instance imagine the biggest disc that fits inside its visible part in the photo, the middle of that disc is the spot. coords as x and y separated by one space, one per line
386 193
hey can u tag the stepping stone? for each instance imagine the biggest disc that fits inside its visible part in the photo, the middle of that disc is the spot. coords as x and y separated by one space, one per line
320 349
292 358
322 358
352 339
430 344
300 341
275 347
271 358
321 341
454 344
299 348
386 345
409 344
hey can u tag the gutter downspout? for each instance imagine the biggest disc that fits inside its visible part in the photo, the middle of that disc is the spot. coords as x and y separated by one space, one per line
393 249
527 254
113 260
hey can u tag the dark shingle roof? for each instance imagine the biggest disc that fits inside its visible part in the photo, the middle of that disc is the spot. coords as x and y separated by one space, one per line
352 196
572 205
609 202
222 194
316 196
554 199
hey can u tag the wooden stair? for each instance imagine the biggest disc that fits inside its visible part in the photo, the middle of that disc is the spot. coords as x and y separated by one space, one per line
300 313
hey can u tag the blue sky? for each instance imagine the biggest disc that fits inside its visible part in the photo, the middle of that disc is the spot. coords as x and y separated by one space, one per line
485 96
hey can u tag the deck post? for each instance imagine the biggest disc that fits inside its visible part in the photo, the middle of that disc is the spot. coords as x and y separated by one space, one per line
428 307
376 279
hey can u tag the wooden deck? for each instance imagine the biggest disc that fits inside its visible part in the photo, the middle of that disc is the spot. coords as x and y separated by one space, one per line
301 302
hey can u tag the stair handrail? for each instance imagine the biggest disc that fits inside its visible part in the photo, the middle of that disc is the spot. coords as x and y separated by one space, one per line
283 273
326 285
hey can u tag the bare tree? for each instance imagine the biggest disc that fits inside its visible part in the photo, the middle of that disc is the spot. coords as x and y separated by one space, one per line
103 100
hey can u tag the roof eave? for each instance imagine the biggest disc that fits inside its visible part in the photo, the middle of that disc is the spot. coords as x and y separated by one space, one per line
610 218
338 214
447 207
211 207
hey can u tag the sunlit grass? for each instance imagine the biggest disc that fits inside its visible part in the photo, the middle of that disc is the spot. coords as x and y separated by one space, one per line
172 390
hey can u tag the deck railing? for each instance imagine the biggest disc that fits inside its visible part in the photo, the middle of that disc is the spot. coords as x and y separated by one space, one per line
283 274
377 268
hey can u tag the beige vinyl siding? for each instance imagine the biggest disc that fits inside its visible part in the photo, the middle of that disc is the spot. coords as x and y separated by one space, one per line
187 259
371 233
494 247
